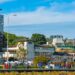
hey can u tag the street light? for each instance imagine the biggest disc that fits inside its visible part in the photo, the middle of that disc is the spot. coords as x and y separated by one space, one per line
8 18
7 39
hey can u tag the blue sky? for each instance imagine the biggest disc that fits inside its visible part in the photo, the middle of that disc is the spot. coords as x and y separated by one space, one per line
49 17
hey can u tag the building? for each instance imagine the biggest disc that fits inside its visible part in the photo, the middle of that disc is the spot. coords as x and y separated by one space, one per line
70 42
29 46
2 38
32 51
57 40
1 31
1 23
10 53
44 50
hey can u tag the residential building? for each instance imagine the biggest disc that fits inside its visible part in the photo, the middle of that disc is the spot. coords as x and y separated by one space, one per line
10 53
70 42
57 40
44 50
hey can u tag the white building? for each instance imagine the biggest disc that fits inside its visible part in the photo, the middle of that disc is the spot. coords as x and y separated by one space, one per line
58 39
10 53
29 46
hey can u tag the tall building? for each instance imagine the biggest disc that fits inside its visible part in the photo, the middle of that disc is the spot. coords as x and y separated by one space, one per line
29 46
1 37
1 31
1 23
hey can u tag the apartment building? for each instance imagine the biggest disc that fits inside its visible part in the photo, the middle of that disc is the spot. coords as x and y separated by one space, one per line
57 40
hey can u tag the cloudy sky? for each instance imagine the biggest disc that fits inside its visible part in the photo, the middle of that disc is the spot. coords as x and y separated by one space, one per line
49 17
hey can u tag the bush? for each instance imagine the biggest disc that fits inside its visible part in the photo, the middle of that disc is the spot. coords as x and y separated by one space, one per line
40 59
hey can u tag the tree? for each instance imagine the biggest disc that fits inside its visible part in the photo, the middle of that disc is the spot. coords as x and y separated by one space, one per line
21 53
10 38
38 39
13 39
49 40
41 59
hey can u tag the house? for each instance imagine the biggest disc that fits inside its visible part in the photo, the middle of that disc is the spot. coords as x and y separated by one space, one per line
70 42
57 40
44 50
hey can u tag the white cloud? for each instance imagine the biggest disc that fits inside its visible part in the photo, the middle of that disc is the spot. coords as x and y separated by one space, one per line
3 1
40 16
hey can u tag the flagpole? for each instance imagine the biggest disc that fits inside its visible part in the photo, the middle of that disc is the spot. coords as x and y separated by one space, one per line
7 39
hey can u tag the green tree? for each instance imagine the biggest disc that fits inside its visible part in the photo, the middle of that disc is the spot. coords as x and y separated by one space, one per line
13 39
10 38
42 59
21 53
38 39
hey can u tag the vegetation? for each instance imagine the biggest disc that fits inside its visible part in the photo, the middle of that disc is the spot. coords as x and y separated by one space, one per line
21 66
39 73
13 39
40 59
38 39
21 53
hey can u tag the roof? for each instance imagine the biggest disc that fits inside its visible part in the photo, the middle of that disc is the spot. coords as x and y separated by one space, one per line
45 46
67 47
60 53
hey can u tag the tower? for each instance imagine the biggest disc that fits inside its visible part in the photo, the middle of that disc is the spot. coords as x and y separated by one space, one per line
29 46
1 31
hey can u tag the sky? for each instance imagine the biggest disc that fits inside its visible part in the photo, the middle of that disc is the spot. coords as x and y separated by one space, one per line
48 17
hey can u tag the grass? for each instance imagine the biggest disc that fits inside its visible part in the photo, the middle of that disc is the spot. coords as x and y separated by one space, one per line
39 73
